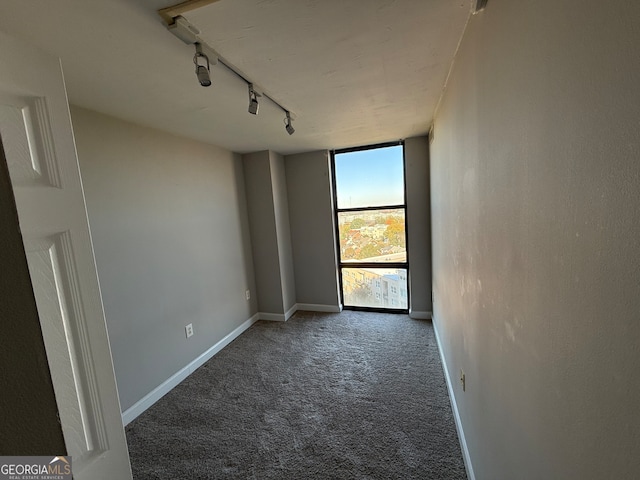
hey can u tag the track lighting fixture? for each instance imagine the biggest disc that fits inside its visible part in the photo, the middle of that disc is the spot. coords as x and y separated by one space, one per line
206 56
287 122
202 71
253 100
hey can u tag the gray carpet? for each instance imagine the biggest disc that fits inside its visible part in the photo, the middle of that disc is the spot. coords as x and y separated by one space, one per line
332 396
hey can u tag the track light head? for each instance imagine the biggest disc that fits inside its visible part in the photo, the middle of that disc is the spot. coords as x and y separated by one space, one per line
203 75
253 106
202 71
288 125
290 129
253 100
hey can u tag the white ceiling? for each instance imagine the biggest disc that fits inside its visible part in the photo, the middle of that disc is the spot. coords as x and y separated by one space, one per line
354 72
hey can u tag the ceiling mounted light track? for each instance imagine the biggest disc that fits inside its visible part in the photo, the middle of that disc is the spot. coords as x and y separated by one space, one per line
190 35
168 14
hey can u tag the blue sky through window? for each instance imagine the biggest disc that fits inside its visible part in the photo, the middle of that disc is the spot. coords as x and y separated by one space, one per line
370 178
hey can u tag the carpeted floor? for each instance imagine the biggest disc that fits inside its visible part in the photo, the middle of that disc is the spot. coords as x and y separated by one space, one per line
328 396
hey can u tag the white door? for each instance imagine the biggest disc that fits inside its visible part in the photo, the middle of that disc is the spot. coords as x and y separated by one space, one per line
38 140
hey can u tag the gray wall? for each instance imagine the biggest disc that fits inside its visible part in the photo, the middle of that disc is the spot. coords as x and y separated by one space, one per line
416 155
283 229
170 232
28 410
312 228
264 235
270 231
535 195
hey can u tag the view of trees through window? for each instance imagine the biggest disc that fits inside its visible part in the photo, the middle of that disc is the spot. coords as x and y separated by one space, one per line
371 223
372 236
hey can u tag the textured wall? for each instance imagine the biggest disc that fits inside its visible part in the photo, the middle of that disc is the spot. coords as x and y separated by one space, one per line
535 198
170 232
28 411
311 214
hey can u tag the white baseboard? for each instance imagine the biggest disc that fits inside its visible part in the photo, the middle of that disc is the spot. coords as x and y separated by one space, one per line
272 317
309 307
161 390
290 312
133 412
420 315
202 359
456 414
314 307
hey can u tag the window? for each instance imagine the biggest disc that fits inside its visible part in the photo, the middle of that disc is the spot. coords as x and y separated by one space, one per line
369 189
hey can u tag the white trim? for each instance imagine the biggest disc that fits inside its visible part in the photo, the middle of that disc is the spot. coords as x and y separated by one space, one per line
456 414
131 413
309 307
279 317
420 315
161 390
226 340
272 317
314 307
290 312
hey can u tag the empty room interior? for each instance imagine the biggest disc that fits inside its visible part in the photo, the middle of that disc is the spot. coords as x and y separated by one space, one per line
205 139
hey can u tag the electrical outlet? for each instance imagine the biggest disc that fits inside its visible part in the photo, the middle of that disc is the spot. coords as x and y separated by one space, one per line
463 380
248 294
189 330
